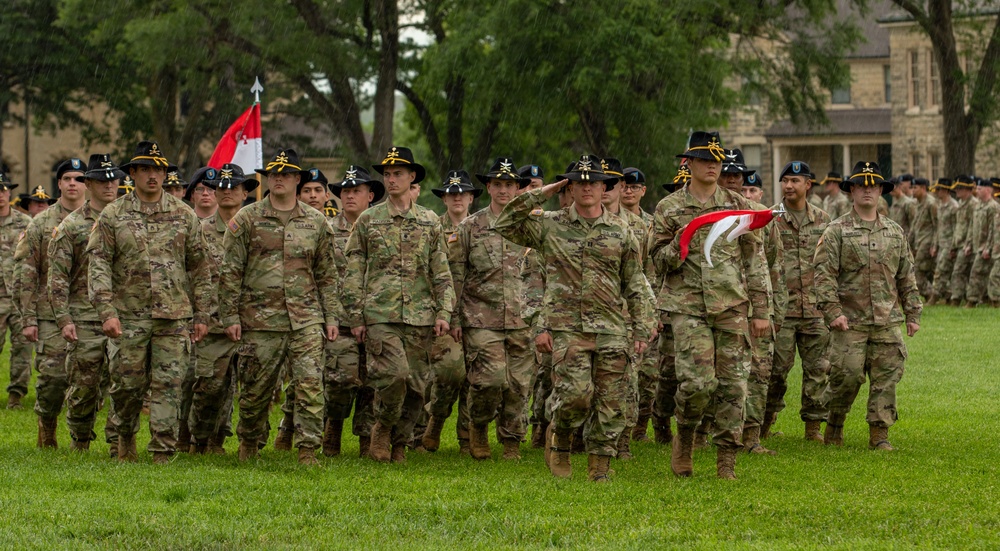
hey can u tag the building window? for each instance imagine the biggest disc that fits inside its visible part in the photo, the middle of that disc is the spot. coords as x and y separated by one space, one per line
841 96
916 163
887 77
934 83
752 156
935 166
913 77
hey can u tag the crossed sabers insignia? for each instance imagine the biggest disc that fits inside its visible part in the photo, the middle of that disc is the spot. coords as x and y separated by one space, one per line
106 163
454 181
868 168
281 158
155 151
506 168
351 175
226 174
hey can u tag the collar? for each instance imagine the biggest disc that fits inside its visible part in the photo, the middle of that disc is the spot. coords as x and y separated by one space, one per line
604 218
857 222
718 199
269 211
393 211
134 203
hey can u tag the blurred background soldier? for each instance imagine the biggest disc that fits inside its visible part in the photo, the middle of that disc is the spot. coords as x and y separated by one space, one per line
836 203
200 192
942 251
175 185
982 237
922 235
12 223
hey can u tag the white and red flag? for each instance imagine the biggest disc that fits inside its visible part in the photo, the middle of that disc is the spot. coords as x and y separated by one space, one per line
241 144
745 220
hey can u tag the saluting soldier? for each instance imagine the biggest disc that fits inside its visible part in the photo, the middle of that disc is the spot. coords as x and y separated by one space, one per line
922 235
38 321
942 251
12 223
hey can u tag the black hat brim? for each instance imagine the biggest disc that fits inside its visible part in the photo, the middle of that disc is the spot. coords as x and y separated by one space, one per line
845 185
376 187
249 184
419 169
101 175
145 162
304 175
475 191
522 182
698 154
8 187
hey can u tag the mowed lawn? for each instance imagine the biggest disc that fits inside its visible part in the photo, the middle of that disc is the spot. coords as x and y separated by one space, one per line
939 490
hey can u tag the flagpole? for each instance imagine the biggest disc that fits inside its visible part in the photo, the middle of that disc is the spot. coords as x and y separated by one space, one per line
256 89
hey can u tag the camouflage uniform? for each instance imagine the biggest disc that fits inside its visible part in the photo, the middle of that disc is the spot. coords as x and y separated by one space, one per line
594 272
31 275
960 239
541 388
943 237
803 327
11 226
140 257
87 363
864 271
279 281
397 285
836 206
903 212
709 309
982 244
922 240
649 364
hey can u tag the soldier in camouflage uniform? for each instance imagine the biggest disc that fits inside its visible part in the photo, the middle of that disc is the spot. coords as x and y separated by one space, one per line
836 203
87 356
993 287
313 191
279 297
344 377
175 185
398 294
903 210
447 359
922 235
866 287
594 275
200 193
12 223
142 251
38 322
982 237
214 385
709 308
942 251
961 240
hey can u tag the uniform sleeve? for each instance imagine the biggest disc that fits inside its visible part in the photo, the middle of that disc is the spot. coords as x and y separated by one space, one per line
27 264
459 243
776 266
522 220
100 250
664 246
327 277
906 286
199 262
636 290
757 275
444 290
827 263
355 278
60 255
234 261
534 286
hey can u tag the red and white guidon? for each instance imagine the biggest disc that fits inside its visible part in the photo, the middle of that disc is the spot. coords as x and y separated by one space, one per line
242 143
745 220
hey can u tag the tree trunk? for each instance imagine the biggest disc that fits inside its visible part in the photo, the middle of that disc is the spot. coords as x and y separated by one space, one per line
162 90
4 114
959 140
455 93
387 21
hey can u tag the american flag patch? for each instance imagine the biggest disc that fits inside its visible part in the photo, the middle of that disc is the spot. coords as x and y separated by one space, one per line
233 226
453 237
537 212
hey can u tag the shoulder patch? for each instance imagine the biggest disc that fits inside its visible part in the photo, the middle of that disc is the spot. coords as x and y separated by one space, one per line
233 225
453 237
537 211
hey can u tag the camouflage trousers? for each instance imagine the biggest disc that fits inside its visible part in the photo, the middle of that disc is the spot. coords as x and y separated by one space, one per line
589 387
364 400
50 363
713 365
761 362
877 352
924 267
649 375
942 274
960 275
399 372
994 284
261 356
341 376
979 280
87 368
500 369
541 390
664 402
213 388
150 356
450 383
20 349
187 389
811 337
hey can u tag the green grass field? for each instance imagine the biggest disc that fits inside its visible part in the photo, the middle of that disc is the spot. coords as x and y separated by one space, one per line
939 490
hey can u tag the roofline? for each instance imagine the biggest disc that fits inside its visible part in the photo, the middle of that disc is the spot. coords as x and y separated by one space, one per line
907 18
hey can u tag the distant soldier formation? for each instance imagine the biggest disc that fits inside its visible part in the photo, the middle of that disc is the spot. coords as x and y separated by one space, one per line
574 329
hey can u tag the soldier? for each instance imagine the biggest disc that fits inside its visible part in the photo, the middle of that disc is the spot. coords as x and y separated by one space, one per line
126 186
397 293
905 182
175 184
313 190
922 235
12 223
214 383
535 176
447 359
709 308
594 274
865 287
803 328
753 188
982 243
38 322
961 241
142 250
87 357
943 235
279 298
37 201
344 377
815 199
835 204
994 284
904 208
200 192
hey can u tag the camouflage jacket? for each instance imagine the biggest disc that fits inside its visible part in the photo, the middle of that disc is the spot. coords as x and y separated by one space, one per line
924 229
903 212
68 264
214 230
593 269
11 227
962 235
277 276
31 261
139 262
341 233
815 200
982 226
397 268
946 225
774 252
487 273
836 206
799 247
693 287
866 274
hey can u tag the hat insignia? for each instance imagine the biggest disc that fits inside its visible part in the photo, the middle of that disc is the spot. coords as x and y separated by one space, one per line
351 175
281 158
454 181
534 170
796 167
505 167
155 151
868 168
314 173
76 163
226 174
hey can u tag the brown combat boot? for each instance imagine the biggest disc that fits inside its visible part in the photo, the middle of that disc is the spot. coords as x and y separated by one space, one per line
624 445
878 439
751 442
161 458
126 448
431 440
558 453
511 449
331 437
537 436
661 431
199 446
479 441
248 450
286 430
834 435
639 431
463 447
812 431
79 445
725 463
682 452
770 418
399 454
597 467
364 446
184 438
380 449
307 456
47 432
217 444
13 401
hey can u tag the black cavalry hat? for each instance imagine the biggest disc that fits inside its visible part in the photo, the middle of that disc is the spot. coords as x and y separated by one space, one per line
148 154
401 156
355 176
458 181
103 169
231 175
921 182
503 169
942 183
680 180
5 183
963 181
285 161
70 165
704 145
613 168
531 171
315 175
174 179
832 178
633 175
983 182
38 195
205 176
866 173
734 163
588 169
